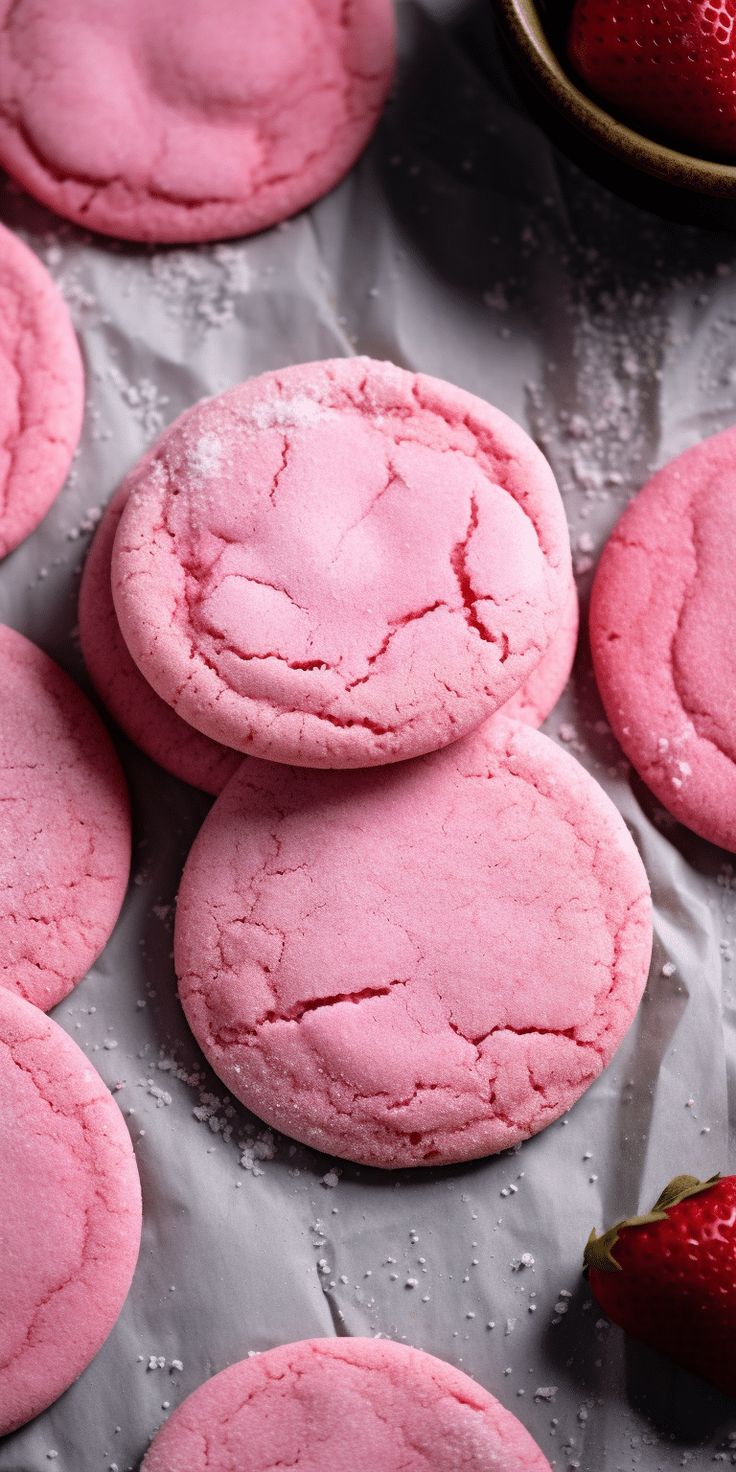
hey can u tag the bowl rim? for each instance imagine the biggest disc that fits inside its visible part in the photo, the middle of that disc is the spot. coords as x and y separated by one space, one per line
525 28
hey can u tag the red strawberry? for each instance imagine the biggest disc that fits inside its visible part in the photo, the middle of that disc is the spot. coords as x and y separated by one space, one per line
667 64
669 1278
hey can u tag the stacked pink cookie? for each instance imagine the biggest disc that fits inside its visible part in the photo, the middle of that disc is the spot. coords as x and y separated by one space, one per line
347 566
362 482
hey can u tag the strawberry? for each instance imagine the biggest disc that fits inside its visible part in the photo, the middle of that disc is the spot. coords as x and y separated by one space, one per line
667 64
669 1278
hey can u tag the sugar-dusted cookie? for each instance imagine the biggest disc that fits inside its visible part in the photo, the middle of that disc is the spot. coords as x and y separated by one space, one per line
156 728
347 1405
71 1211
41 390
663 636
418 964
143 715
341 564
171 120
65 830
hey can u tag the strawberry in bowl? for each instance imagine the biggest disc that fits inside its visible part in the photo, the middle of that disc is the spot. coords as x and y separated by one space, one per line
669 1277
666 65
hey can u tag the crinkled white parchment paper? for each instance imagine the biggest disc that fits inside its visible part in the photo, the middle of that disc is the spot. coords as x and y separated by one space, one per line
463 245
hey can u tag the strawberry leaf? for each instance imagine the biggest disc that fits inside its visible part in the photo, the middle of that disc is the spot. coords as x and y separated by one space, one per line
599 1250
681 1189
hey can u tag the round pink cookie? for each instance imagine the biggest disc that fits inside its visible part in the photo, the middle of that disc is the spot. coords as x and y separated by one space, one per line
71 1219
540 693
663 636
41 391
343 1405
188 119
341 564
65 834
416 965
142 714
188 754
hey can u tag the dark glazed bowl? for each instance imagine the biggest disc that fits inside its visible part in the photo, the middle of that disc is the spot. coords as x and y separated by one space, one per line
699 190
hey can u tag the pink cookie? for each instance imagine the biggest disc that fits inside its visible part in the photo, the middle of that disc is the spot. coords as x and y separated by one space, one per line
539 695
41 391
71 1219
341 564
416 965
343 1405
663 636
188 119
65 834
175 745
141 713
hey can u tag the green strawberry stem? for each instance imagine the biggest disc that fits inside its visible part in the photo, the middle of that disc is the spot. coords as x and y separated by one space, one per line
599 1250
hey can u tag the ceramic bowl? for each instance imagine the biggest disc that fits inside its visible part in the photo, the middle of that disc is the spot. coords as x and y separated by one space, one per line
661 177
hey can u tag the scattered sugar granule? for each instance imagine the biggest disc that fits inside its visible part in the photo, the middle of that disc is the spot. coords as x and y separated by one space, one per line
525 1261
160 1095
144 398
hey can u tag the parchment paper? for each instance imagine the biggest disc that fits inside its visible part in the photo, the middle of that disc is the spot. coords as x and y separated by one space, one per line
463 245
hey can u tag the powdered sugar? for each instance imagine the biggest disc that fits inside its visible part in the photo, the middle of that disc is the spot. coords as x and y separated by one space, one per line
206 457
297 412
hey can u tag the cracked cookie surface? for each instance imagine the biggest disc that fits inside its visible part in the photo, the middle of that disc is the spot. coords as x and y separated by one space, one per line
41 391
144 717
184 120
65 833
342 564
663 636
350 1405
416 965
188 754
71 1218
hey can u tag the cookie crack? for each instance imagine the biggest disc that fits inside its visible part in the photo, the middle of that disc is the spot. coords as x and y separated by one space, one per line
476 1040
459 564
235 1034
393 479
395 626
96 1200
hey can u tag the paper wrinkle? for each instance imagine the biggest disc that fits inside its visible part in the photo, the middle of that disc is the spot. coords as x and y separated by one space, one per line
464 246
